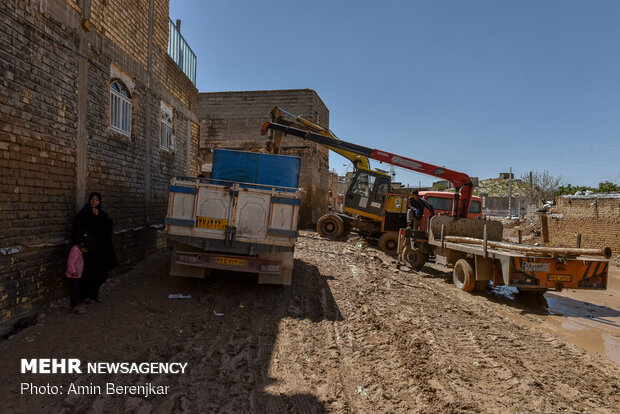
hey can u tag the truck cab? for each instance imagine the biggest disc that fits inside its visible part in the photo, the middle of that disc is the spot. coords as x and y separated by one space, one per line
442 204
367 194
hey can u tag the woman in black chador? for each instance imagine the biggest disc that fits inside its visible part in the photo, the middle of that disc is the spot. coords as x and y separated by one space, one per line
94 222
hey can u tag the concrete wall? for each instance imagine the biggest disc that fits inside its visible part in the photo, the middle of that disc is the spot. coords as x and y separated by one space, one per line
233 120
56 64
596 219
498 206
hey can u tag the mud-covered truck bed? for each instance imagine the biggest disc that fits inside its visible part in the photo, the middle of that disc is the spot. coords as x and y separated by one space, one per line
476 252
243 218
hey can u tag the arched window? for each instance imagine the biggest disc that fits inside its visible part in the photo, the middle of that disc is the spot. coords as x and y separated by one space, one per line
120 108
166 137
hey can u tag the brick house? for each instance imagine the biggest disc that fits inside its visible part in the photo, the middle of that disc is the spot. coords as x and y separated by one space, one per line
233 120
596 217
90 100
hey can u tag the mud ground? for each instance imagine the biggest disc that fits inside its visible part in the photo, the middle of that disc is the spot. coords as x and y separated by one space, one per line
352 334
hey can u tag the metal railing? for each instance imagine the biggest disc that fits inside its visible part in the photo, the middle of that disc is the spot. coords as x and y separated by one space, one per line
181 53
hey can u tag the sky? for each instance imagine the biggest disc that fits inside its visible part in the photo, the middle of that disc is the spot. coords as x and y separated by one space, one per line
476 86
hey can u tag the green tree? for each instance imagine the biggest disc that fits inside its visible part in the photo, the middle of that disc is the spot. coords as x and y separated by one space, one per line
607 187
570 190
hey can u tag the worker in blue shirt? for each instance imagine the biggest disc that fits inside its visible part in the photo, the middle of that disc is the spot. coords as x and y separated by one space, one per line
415 210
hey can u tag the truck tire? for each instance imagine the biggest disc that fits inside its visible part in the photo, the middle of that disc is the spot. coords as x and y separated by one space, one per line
463 276
414 258
388 243
330 226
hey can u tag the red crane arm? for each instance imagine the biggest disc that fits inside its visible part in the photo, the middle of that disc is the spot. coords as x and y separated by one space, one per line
461 181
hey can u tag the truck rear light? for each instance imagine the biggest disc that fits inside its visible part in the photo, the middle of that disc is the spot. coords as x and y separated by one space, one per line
271 268
596 282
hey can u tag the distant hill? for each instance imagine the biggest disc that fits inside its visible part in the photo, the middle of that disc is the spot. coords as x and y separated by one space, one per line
500 187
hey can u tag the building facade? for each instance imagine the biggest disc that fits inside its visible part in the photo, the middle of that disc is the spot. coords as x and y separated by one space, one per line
233 120
90 100
596 217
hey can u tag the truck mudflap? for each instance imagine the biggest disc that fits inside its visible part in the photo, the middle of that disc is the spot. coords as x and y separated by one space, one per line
558 273
227 262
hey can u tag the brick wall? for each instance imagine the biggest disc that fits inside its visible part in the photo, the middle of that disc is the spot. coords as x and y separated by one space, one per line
38 112
233 120
125 23
55 151
596 219
194 161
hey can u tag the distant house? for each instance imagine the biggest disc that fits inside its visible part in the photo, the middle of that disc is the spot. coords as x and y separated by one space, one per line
234 119
595 216
496 200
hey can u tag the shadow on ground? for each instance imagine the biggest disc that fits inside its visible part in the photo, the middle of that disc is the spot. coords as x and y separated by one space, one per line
226 332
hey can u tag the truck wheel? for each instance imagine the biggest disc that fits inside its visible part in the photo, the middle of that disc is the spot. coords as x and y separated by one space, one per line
388 243
463 276
330 226
415 258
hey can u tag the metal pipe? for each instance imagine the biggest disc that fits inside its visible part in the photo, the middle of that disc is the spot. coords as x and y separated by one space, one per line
605 252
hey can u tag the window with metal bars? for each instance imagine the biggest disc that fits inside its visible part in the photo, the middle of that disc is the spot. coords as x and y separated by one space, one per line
167 137
120 108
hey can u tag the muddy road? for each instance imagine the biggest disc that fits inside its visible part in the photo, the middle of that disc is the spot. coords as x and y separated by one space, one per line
352 334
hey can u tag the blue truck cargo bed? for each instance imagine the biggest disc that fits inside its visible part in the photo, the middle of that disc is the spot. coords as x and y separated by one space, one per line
256 168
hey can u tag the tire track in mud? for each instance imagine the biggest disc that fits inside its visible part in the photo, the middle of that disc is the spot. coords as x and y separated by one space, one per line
202 353
474 341
437 349
523 356
352 334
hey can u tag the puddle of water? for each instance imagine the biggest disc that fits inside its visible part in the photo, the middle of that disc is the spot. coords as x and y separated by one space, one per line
612 347
572 316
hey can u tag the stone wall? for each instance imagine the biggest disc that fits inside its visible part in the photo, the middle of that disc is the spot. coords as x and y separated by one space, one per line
56 64
233 120
597 219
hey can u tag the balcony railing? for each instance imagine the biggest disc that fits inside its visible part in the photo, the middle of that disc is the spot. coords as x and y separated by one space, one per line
181 53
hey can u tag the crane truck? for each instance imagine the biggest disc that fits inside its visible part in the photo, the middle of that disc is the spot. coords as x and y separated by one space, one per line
369 206
472 248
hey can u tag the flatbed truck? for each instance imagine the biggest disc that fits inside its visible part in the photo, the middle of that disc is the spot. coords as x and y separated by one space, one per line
475 251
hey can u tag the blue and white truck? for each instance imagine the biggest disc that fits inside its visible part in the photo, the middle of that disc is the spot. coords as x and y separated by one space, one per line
242 218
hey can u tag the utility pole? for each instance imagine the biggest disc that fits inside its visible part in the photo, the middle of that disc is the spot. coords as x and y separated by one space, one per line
510 193
531 188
